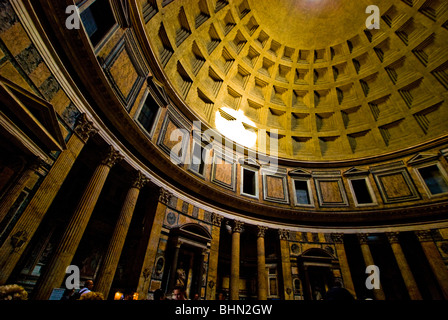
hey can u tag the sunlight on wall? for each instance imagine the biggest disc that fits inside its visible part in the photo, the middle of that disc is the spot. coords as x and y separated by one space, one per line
229 122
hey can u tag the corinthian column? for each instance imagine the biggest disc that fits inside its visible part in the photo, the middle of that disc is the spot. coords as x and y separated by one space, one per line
11 249
261 264
153 243
112 256
286 264
338 240
237 228
55 272
368 260
435 260
403 265
13 193
213 257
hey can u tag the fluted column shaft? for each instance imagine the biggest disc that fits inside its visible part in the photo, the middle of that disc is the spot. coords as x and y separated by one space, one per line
368 260
26 226
153 242
66 249
435 260
109 265
406 273
235 261
343 263
286 265
261 264
13 193
213 258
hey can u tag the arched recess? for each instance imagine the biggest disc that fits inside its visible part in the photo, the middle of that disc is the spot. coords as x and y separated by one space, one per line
318 270
188 247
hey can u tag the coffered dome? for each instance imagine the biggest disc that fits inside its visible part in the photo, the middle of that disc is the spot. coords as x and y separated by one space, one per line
310 71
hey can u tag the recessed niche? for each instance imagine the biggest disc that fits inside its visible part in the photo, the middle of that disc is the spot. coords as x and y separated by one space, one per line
300 122
383 107
346 93
330 145
320 75
393 17
300 98
283 73
238 42
353 116
415 93
362 63
322 97
206 105
361 141
233 98
320 55
228 23
278 95
266 67
259 88
262 38
215 80
241 77
287 53
431 50
220 4
354 44
252 110
252 26
202 14
183 29
274 48
434 9
214 39
302 146
301 76
276 118
243 9
340 71
304 56
197 60
325 121
225 61
252 57
410 31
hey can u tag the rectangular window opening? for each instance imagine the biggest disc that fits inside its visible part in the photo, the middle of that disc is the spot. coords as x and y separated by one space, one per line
434 179
362 192
302 192
249 182
98 19
197 161
148 114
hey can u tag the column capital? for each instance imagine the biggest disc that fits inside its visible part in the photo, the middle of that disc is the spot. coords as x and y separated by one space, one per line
283 234
84 128
217 219
111 157
139 180
165 196
362 237
424 235
392 237
337 238
237 226
261 231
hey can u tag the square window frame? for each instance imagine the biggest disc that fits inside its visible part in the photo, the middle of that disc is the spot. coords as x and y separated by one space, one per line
150 133
369 188
422 181
310 192
190 157
257 187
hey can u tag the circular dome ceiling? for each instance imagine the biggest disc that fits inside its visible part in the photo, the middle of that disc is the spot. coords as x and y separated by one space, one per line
309 71
310 24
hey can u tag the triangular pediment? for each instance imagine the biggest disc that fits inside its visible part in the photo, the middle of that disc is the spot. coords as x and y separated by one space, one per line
423 157
299 173
35 116
356 171
249 162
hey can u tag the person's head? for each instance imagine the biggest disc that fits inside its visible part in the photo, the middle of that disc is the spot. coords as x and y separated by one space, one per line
89 284
221 296
196 296
178 294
